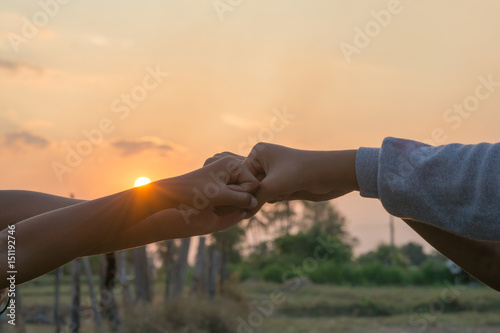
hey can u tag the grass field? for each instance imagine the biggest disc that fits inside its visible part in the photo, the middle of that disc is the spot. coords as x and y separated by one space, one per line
382 309
266 307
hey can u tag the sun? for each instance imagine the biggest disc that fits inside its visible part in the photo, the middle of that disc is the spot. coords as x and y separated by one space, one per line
142 181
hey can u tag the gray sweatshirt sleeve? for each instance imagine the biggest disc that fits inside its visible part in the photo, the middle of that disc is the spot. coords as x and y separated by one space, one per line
454 187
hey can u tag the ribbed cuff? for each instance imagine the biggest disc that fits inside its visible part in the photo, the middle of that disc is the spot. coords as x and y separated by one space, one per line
367 171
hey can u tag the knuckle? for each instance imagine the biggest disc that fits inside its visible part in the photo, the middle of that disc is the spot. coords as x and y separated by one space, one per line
260 146
224 156
220 155
246 199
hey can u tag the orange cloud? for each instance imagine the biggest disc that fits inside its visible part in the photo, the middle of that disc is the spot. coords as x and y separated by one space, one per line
130 147
24 139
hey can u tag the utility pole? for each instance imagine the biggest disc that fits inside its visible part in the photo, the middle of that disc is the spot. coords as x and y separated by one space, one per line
57 310
393 248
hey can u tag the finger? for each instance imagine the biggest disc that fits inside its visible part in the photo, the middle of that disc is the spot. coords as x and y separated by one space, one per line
244 179
235 187
210 160
229 220
253 162
242 200
248 187
262 195
237 157
248 213
222 155
225 210
260 176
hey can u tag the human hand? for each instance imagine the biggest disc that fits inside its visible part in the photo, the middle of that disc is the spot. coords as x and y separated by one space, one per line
226 181
292 174
165 224
171 223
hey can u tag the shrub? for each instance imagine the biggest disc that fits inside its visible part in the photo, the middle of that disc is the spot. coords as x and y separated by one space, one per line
273 273
352 275
435 272
417 277
188 315
242 271
327 272
381 275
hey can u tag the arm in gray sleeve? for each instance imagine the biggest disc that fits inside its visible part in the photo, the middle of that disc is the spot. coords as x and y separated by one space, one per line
454 187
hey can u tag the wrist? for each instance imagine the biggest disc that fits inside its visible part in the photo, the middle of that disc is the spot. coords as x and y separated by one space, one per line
348 165
159 195
174 191
332 170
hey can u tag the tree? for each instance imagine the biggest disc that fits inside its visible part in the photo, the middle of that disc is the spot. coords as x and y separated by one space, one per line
198 284
295 248
256 224
180 268
261 255
169 266
318 221
57 313
414 252
123 278
93 299
384 255
280 215
75 294
213 265
142 283
322 217
226 242
108 302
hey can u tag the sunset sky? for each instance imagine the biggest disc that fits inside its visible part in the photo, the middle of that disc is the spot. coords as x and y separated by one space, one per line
222 72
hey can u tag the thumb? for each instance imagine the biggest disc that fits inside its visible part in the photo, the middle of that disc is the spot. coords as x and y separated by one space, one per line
262 195
244 187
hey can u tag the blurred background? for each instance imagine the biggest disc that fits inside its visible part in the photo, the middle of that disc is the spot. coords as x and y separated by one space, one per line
94 95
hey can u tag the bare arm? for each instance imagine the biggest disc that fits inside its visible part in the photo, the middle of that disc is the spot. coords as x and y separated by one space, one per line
126 219
17 205
49 240
479 258
297 174
294 174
